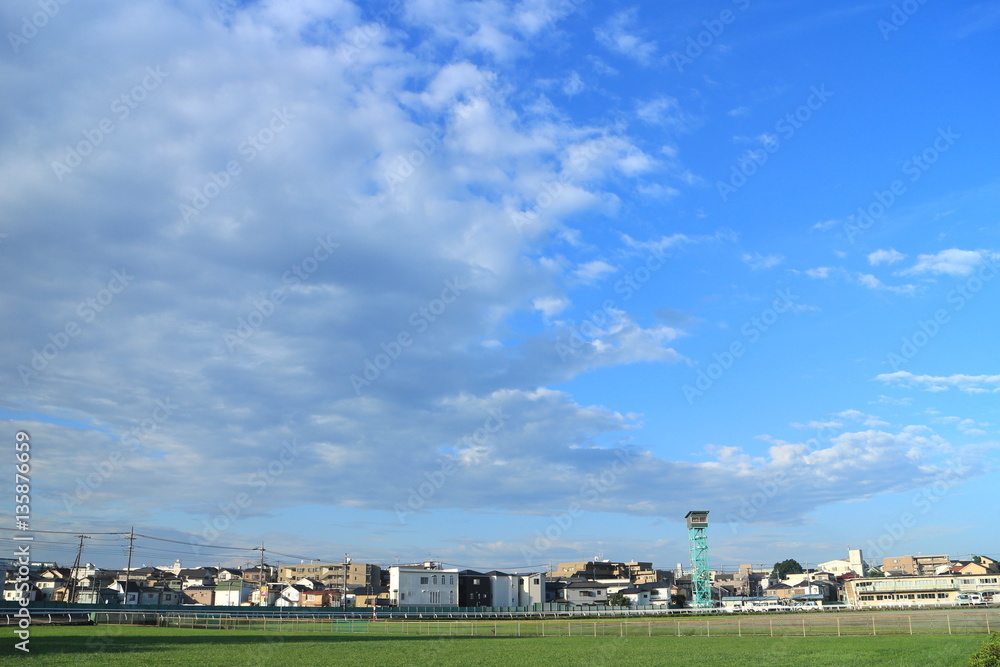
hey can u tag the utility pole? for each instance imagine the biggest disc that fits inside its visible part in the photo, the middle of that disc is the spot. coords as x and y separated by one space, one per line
75 570
343 597
128 568
261 588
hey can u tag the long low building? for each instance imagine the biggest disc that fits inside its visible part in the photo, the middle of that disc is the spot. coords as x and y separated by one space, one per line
934 589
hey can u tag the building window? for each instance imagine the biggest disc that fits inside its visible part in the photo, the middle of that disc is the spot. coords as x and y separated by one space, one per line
424 580
451 579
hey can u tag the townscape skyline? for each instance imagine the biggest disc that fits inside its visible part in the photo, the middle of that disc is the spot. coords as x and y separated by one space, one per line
505 281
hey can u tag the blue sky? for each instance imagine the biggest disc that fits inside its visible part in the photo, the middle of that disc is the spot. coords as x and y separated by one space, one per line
503 283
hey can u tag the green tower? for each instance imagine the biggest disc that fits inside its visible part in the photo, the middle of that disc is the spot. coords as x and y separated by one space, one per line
701 577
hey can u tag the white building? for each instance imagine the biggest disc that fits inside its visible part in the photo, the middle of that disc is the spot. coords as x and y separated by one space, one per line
854 563
429 586
504 589
531 589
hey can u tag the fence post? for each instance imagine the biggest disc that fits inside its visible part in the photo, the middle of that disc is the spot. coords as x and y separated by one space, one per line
649 627
838 626
803 626
873 627
770 622
949 624
910 619
739 627
987 615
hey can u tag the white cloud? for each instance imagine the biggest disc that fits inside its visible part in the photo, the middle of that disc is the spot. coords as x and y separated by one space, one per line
757 262
618 35
573 85
825 225
953 262
591 272
890 256
972 384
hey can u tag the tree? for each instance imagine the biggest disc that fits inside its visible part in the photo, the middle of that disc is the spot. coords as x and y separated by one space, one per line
678 600
619 600
785 568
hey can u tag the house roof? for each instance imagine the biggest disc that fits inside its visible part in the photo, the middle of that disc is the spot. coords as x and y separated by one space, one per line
586 584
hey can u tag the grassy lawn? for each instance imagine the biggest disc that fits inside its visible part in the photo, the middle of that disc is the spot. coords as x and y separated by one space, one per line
124 646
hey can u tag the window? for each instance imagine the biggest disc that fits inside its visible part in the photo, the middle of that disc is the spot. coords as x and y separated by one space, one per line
451 579
424 580
536 580
475 582
435 579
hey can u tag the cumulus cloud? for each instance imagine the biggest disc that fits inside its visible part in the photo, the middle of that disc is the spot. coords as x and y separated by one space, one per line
885 257
972 384
620 34
952 262
757 261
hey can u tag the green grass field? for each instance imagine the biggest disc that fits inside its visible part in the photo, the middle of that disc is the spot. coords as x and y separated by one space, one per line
124 646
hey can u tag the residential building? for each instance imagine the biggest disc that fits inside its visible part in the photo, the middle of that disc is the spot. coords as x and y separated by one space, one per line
589 569
474 589
233 593
260 574
504 589
428 585
531 589
916 565
290 595
321 598
855 563
367 596
637 597
198 576
917 590
331 575
582 592
202 595
659 592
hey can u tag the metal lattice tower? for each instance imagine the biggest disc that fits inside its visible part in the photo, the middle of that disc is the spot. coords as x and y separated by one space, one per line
701 576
